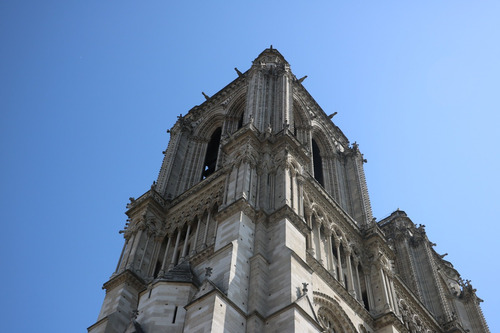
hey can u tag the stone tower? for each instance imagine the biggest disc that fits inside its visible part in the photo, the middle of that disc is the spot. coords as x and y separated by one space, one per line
260 221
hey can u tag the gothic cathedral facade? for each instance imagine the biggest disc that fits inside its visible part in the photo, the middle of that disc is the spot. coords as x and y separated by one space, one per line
260 221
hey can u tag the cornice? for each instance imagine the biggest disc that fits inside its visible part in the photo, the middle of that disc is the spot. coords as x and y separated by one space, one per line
375 238
150 197
287 212
240 205
201 187
202 255
128 277
207 193
389 319
98 323
222 295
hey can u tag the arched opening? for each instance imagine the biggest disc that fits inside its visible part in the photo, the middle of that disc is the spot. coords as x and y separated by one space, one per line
161 255
211 155
240 121
331 316
318 163
364 292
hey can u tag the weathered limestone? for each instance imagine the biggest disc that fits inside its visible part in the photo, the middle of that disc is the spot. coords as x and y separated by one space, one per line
260 221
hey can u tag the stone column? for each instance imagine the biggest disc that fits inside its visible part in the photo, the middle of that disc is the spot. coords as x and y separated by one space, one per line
244 186
310 248
331 265
121 257
184 248
300 182
196 237
144 252
358 283
339 262
154 256
389 291
371 303
318 250
350 279
215 231
174 255
258 172
206 230
130 264
394 297
164 262
387 305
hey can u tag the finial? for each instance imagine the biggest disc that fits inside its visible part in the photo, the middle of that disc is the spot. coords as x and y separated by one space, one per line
206 96
271 47
304 288
237 71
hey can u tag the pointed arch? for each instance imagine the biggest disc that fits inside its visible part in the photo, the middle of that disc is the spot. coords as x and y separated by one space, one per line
317 163
211 154
235 117
322 149
329 310
300 123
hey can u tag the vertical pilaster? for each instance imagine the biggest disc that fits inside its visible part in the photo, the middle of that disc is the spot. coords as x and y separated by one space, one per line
164 261
174 255
193 251
186 241
350 279
339 262
131 259
207 224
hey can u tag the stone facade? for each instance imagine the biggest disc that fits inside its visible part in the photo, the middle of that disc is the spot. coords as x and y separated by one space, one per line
260 221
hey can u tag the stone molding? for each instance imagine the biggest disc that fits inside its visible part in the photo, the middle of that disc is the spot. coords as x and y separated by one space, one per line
415 306
338 288
127 276
333 306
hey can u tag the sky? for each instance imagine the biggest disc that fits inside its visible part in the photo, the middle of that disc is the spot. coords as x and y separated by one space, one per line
88 90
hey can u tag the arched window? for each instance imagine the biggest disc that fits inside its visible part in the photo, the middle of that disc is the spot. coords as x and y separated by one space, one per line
364 292
318 163
211 155
240 121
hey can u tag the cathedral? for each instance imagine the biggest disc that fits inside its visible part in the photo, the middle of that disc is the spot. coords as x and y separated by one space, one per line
260 221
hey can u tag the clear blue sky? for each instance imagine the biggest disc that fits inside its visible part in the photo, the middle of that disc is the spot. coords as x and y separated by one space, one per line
89 88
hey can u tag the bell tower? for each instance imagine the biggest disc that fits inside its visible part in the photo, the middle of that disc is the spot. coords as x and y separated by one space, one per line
260 221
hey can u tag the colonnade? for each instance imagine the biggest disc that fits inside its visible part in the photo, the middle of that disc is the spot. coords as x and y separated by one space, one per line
190 243
168 251
338 258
